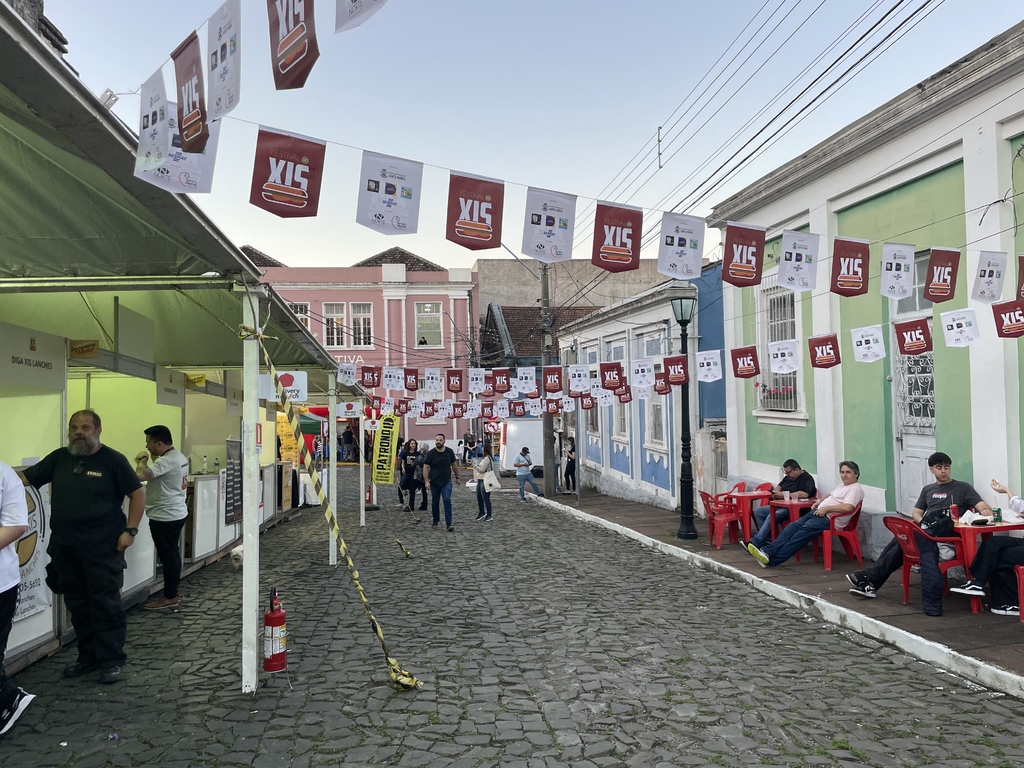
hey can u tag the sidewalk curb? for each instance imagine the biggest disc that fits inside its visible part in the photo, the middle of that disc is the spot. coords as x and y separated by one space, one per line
977 671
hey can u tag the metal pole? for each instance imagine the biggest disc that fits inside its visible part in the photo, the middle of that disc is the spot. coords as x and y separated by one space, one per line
332 464
250 478
687 530
545 359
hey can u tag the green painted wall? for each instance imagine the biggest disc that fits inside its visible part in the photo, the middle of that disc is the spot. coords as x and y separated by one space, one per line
1017 145
926 212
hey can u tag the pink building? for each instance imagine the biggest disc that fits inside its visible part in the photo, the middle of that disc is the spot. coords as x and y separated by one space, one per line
394 308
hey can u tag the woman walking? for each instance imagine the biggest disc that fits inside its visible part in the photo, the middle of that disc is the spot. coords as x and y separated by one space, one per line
482 466
410 464
570 465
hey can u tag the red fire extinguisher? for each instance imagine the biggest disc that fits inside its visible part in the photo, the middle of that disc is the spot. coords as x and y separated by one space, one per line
275 636
369 493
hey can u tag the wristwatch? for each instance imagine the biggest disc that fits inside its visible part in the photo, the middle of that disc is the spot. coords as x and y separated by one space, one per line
133 532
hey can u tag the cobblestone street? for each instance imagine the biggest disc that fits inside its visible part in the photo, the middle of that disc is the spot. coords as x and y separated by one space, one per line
541 641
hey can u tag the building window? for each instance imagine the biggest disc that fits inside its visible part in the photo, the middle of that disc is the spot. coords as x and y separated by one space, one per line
301 310
362 326
777 310
334 324
620 414
655 417
428 323
916 302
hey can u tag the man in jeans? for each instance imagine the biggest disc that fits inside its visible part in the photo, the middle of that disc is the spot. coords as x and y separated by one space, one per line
798 483
440 463
523 464
13 525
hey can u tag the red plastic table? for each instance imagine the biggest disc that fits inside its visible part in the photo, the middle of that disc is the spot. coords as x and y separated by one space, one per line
971 535
744 501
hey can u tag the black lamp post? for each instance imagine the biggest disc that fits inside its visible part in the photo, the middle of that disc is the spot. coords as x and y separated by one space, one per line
683 308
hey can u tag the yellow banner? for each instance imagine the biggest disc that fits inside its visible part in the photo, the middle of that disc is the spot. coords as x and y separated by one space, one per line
80 349
385 449
195 381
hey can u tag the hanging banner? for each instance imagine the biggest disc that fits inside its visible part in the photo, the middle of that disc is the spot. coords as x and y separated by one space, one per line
552 379
897 270
191 95
1009 317
709 365
293 46
990 276
661 385
286 173
744 362
677 370
369 376
913 337
385 449
549 225
798 264
501 409
643 393
782 356
453 380
517 408
824 351
487 409
626 396
412 379
475 208
867 344
349 14
642 374
959 327
432 380
553 405
611 375
568 404
501 380
154 124
387 405
526 380
389 194
477 383
586 402
458 409
851 261
224 42
474 408
427 410
744 254
940 283
402 406
182 172
605 398
346 374
682 242
392 378
579 379
535 407
294 383
617 233
488 385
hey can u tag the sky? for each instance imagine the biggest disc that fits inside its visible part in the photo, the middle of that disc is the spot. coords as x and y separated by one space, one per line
566 95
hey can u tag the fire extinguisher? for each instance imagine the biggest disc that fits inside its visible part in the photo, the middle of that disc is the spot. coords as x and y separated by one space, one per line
369 493
275 636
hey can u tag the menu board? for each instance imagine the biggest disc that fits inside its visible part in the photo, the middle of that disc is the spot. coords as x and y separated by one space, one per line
233 485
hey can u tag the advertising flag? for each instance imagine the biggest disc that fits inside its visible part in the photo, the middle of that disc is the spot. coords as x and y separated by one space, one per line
428 409
487 409
586 402
744 254
617 233
568 404
868 345
224 42
552 379
370 376
432 380
349 14
347 374
709 365
477 383
488 385
154 124
553 405
526 380
897 270
677 369
453 380
293 46
661 385
286 173
626 396
549 225
458 409
191 95
798 260
824 351
393 378
412 379
642 374
182 172
913 336
744 362
643 393
940 283
579 379
611 375
682 243
389 194
385 449
850 266
782 356
959 327
502 382
473 409
1009 317
990 276
475 207
517 408
501 409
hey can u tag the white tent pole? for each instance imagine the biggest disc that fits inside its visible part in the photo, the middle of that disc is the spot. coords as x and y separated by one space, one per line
250 480
332 490
362 473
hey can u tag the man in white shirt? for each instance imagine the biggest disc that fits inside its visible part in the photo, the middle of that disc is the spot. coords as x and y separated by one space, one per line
13 525
840 504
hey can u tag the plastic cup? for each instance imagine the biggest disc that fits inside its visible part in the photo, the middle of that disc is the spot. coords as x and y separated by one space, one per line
785 495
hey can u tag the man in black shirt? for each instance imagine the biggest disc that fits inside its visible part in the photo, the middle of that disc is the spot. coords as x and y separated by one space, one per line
88 537
800 485
441 463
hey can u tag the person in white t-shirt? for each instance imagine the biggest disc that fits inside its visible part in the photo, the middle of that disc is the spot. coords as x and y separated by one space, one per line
840 504
13 525
166 489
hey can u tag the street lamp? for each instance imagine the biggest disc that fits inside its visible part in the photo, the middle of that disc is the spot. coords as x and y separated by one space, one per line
683 308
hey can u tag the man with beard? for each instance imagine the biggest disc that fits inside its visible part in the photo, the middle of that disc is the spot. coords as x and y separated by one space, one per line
88 537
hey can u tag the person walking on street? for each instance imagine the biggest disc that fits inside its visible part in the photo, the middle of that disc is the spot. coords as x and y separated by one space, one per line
438 466
13 525
570 465
523 464
410 465
166 487
483 497
88 538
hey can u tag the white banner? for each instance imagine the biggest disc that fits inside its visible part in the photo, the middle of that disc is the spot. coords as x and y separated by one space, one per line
155 118
389 194
474 408
432 380
183 172
549 225
867 344
897 270
960 327
709 365
224 44
535 406
349 14
476 382
526 380
501 409
605 398
782 356
642 373
642 393
798 260
387 406
579 378
346 374
568 404
682 243
392 378
293 382
989 277
34 595
32 359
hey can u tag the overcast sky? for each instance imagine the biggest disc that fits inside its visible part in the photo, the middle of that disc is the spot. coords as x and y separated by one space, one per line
548 93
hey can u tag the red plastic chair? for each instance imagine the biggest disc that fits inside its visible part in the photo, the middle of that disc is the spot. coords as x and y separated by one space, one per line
847 537
1019 570
904 530
721 515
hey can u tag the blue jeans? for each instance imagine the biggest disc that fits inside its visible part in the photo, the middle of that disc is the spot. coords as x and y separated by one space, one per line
794 537
436 494
764 524
523 480
483 500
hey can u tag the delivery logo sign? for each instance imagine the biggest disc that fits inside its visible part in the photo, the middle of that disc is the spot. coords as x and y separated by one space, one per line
824 351
1009 317
744 362
913 337
474 212
744 255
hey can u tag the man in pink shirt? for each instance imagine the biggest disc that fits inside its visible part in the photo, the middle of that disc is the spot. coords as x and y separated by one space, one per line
840 504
